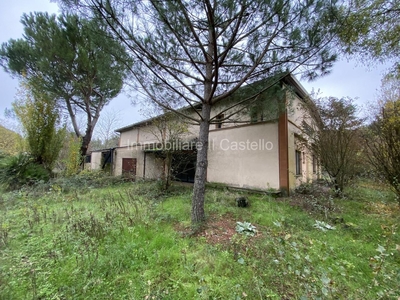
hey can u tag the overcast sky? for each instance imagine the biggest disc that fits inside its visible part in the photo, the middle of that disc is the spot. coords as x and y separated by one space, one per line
347 78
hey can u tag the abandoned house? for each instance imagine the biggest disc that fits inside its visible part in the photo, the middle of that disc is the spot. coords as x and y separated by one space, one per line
263 147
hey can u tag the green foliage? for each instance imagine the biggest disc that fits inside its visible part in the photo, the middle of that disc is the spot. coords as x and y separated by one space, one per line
72 60
246 228
122 242
73 160
11 142
383 135
269 104
22 169
323 226
202 52
371 28
335 138
41 122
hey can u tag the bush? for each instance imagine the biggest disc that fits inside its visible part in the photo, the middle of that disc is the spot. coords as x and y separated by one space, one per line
17 171
82 181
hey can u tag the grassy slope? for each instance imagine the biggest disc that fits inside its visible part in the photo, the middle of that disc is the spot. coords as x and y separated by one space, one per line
10 142
125 243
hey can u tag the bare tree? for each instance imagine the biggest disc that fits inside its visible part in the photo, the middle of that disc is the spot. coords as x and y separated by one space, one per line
334 138
383 136
171 132
202 52
105 136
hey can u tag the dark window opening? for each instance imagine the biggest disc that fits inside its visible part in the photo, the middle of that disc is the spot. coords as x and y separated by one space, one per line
106 160
298 163
218 120
88 159
254 118
184 166
257 117
314 165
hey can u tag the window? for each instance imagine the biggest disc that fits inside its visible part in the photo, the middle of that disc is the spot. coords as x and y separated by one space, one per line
254 118
298 163
218 120
88 158
314 164
257 117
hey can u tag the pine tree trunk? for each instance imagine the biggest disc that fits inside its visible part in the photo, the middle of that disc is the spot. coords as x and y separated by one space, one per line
199 188
85 145
169 164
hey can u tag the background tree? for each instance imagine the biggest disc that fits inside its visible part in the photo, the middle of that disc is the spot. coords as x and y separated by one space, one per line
383 139
372 30
170 131
335 138
104 136
73 60
202 52
39 117
72 159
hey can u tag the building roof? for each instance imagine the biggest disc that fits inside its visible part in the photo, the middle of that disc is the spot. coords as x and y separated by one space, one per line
137 124
288 79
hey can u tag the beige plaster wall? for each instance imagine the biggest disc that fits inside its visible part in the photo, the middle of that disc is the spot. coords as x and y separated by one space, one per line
128 152
129 137
154 165
247 165
307 170
236 120
295 109
95 163
149 134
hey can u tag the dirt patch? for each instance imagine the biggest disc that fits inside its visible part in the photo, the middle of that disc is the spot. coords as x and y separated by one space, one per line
216 230
315 199
219 230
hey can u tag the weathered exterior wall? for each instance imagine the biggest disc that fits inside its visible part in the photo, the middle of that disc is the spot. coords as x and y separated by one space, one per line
154 167
95 163
149 134
233 121
292 157
240 152
295 109
252 164
129 137
307 160
139 135
128 152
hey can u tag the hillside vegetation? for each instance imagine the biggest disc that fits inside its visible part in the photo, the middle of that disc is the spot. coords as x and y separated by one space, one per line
10 142
72 240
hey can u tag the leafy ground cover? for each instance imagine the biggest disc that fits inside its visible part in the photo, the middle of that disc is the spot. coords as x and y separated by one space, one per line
131 241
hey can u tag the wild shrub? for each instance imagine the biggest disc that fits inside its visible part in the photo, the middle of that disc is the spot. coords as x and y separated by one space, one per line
17 171
81 183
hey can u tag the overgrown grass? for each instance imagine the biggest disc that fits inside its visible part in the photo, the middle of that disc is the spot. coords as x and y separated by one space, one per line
127 242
